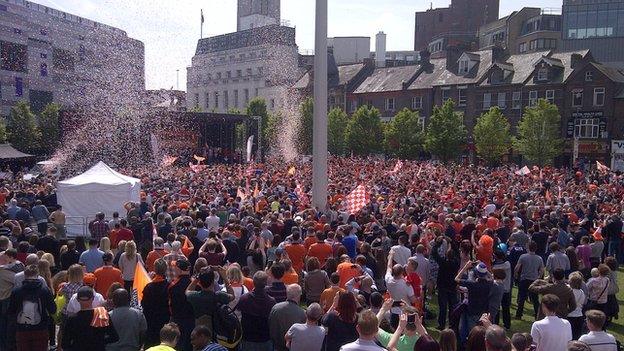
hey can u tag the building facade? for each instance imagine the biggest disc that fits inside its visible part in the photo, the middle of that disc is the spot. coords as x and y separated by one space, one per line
454 25
349 50
257 13
588 94
597 25
52 56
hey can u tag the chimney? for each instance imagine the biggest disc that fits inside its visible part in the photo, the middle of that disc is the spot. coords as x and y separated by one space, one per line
452 55
575 60
424 58
498 54
380 49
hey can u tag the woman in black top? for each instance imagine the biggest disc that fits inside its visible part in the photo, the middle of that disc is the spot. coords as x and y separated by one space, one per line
340 321
155 304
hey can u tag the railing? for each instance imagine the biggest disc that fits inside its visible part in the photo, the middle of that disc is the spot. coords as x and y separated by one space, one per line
75 226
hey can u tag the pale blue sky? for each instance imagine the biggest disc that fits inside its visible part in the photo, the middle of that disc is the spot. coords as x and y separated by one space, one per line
170 29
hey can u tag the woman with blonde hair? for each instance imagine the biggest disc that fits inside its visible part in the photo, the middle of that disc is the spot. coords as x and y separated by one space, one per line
44 272
48 257
127 264
105 244
235 277
121 247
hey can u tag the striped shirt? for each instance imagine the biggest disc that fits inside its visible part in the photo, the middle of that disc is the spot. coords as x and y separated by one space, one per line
362 345
599 341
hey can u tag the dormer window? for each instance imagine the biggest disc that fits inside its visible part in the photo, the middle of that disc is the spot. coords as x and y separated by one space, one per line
464 66
542 74
466 62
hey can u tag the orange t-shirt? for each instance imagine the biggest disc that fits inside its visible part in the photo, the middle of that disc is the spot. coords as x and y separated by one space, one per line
322 251
492 223
113 238
290 278
248 283
309 241
152 256
106 276
346 271
484 254
296 253
327 297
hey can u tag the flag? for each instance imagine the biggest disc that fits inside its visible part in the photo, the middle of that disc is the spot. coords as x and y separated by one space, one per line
389 209
202 16
601 167
523 171
199 159
196 168
250 171
301 195
419 170
548 196
141 279
256 190
292 170
187 248
240 193
356 200
168 161
397 167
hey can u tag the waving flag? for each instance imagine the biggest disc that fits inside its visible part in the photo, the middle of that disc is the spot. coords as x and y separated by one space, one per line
241 193
397 167
168 161
292 170
301 195
141 279
199 159
196 168
523 171
601 167
357 199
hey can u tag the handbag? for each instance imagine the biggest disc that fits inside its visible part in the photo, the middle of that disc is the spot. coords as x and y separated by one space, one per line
593 305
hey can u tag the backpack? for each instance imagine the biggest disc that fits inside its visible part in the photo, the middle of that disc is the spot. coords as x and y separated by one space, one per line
227 329
31 312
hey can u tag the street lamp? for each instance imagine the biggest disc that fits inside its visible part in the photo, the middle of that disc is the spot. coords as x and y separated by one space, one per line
319 165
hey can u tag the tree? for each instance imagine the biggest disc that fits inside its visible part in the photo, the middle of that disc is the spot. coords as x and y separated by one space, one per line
337 121
304 131
23 132
274 124
446 133
3 133
491 135
257 108
403 135
539 138
364 134
49 127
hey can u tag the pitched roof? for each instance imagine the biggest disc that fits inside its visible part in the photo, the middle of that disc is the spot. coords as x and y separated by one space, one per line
426 78
387 79
480 68
305 81
524 65
345 74
8 152
611 72
566 60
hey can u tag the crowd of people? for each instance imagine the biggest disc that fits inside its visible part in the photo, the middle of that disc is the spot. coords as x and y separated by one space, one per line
239 259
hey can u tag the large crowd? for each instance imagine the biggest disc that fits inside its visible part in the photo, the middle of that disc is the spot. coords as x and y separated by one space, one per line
238 259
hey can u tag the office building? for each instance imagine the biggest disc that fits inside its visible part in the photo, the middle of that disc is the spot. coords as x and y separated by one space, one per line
257 13
456 25
349 50
52 56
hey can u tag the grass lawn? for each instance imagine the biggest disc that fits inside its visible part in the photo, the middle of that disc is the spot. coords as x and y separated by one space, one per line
524 325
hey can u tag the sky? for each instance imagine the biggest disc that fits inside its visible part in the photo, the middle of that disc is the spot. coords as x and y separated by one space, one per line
170 29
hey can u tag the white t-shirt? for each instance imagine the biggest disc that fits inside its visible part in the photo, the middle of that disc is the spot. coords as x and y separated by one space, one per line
212 222
579 297
399 290
401 254
74 306
551 334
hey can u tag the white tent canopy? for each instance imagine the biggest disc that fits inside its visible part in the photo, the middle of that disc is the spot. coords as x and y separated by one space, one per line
99 189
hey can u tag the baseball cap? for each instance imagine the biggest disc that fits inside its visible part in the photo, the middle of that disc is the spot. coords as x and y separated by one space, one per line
183 264
85 293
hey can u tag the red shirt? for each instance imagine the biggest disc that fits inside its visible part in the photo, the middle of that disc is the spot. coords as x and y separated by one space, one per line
124 234
414 280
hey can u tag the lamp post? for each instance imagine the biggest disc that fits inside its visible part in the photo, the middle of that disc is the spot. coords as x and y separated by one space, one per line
319 165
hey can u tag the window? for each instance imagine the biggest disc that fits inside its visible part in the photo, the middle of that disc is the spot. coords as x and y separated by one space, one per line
43 32
260 70
256 92
487 101
416 102
219 75
43 55
249 72
522 48
532 98
502 100
462 97
216 99
19 86
589 76
446 92
13 56
17 31
577 98
236 98
599 96
587 128
332 100
246 96
228 74
239 73
43 69
550 96
207 96
390 104
463 66
516 100
542 74
196 99
226 99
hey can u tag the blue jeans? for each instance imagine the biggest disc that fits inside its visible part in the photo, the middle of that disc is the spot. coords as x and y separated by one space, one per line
256 346
466 323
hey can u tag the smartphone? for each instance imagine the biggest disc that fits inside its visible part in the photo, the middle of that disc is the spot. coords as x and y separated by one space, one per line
411 318
397 303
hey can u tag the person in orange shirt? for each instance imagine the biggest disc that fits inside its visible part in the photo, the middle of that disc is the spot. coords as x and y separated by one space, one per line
290 276
158 252
492 222
347 270
485 247
310 239
320 250
106 275
327 296
247 281
296 251
112 236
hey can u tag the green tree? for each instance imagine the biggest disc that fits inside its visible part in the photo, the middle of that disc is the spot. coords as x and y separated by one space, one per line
23 132
364 134
446 133
234 111
274 124
337 121
306 121
3 132
491 135
539 133
257 108
49 127
403 135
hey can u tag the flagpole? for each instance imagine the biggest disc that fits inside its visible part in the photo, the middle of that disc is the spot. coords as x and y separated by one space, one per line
319 150
201 27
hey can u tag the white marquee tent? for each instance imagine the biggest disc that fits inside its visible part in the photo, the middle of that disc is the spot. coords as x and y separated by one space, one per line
99 189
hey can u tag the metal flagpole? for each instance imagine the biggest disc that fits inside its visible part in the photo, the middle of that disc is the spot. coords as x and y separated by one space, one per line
319 166
201 27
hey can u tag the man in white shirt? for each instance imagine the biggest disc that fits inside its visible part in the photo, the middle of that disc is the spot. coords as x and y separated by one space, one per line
398 289
367 328
401 253
598 339
551 333
212 221
423 268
